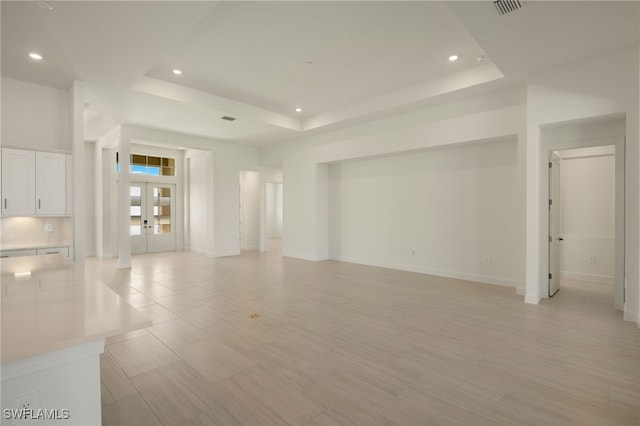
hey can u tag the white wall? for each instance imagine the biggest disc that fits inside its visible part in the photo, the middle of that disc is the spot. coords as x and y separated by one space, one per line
199 202
449 212
273 201
35 116
597 87
587 216
488 117
251 183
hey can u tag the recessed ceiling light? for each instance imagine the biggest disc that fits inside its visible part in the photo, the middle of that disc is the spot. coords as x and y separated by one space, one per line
35 56
308 63
453 58
481 58
298 109
44 5
177 72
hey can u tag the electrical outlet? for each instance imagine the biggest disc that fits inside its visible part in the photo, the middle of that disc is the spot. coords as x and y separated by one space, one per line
413 252
26 405
488 260
48 227
592 259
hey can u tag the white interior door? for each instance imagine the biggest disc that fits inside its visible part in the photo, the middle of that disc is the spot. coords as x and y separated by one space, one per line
152 225
554 226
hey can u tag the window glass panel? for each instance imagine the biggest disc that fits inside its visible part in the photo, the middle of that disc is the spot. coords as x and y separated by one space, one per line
139 159
161 210
135 225
140 170
150 165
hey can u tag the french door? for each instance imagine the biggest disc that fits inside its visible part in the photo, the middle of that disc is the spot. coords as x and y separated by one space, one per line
152 225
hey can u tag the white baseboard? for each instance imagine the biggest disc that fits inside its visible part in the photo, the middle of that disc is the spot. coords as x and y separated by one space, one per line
89 254
251 248
632 317
303 256
431 271
227 253
521 291
579 276
200 251
532 299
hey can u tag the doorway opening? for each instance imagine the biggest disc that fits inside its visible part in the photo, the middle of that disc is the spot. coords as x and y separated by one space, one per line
152 223
273 216
582 220
588 212
249 213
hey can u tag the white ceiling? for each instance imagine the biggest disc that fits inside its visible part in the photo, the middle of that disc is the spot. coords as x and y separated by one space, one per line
247 59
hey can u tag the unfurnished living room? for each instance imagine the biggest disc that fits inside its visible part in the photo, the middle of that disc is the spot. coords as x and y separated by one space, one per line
320 212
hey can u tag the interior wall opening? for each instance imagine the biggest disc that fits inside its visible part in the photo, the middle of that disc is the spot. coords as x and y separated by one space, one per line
582 224
249 223
605 133
273 215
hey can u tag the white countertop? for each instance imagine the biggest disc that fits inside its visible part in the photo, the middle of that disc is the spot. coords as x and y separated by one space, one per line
48 303
33 246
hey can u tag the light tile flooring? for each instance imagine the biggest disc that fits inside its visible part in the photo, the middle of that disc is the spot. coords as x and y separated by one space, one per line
344 344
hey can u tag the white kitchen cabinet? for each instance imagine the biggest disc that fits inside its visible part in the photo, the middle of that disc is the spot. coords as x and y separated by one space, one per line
34 183
53 250
18 253
51 183
18 182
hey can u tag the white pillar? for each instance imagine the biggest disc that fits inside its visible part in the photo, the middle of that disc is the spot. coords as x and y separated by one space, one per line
322 211
124 185
77 139
532 250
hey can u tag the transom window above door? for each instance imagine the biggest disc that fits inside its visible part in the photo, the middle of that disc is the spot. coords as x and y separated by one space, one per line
150 165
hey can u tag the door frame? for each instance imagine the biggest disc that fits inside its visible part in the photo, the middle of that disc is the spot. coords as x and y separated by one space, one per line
620 208
555 223
147 201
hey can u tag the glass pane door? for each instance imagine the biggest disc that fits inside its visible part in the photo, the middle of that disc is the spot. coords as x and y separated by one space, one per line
161 210
152 217
135 227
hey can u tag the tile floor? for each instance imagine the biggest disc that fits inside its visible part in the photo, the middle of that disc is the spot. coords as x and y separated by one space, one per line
345 344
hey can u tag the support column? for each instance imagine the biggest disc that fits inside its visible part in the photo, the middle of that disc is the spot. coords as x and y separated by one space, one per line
124 200
77 136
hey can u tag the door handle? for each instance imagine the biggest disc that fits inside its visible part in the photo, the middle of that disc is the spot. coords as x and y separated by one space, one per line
560 239
38 203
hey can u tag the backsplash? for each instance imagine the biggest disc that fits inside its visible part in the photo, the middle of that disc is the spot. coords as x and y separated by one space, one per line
18 232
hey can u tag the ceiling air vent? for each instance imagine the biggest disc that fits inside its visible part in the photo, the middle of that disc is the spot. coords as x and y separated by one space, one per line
228 118
507 6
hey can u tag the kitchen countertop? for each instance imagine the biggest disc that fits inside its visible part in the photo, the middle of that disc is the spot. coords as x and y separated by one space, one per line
49 303
33 246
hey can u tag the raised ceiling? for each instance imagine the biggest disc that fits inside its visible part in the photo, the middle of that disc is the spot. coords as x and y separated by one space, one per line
258 61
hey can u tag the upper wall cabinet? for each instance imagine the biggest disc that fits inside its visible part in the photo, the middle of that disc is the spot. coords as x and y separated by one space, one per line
51 183
18 182
33 183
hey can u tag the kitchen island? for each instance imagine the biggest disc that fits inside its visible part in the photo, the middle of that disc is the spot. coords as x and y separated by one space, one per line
55 320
